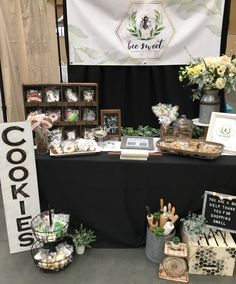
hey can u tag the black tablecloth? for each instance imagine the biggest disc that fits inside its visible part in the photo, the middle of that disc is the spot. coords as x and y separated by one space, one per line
109 195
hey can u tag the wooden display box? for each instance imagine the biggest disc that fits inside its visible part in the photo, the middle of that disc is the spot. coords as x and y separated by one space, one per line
214 254
62 104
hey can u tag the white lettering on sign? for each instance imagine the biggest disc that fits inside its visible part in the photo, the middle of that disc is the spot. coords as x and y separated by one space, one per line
220 210
19 183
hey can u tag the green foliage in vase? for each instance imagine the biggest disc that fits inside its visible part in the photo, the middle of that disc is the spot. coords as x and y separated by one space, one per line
195 224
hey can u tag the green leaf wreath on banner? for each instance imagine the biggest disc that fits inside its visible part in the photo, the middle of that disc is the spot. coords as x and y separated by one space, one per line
136 32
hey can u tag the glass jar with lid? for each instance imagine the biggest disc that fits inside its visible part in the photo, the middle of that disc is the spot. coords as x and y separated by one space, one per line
183 127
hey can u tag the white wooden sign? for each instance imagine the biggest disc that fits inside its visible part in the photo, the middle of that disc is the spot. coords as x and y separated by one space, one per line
19 183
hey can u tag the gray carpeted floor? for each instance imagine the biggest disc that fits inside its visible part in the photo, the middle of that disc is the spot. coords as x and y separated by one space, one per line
96 266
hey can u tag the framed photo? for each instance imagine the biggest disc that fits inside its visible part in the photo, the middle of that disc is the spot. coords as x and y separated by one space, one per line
111 118
222 129
137 142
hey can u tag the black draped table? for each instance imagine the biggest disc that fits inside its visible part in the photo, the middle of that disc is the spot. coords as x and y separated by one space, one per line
109 195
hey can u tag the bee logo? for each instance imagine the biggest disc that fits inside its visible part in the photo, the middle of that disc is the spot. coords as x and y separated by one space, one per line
145 23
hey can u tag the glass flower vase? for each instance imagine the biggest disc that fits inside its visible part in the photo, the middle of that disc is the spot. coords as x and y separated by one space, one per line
41 140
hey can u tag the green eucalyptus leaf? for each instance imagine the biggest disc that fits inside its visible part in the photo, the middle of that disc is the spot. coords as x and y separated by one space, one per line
76 31
214 29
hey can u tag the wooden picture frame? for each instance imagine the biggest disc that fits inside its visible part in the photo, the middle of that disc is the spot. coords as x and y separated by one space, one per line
111 118
222 129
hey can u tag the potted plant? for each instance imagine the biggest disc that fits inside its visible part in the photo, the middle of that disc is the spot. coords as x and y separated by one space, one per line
194 226
175 243
82 238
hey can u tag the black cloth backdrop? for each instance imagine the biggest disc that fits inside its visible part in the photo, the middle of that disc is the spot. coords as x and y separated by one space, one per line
134 89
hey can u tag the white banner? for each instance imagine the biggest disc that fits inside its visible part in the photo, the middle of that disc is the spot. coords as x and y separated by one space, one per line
19 183
123 32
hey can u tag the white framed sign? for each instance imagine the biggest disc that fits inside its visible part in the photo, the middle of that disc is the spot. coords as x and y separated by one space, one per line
222 129
19 183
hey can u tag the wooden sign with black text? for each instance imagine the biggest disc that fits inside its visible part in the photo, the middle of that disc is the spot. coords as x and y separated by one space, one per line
220 211
19 183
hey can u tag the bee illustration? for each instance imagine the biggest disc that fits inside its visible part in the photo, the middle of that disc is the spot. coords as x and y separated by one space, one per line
145 23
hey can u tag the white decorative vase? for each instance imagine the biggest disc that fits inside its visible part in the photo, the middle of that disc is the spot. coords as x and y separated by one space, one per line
80 250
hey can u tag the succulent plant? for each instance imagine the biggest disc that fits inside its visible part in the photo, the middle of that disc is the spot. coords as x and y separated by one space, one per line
176 240
158 231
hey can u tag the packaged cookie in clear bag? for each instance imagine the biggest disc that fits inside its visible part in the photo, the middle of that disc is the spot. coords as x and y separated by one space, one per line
54 114
88 95
34 96
55 147
70 134
89 114
52 95
71 114
56 134
88 133
68 147
71 95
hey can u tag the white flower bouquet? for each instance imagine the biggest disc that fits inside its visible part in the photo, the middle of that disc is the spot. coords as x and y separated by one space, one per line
165 113
209 73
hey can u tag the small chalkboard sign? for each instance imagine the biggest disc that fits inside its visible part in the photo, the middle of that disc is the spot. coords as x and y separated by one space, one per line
220 211
111 119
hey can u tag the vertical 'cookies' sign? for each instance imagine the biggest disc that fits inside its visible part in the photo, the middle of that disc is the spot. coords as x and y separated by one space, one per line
19 183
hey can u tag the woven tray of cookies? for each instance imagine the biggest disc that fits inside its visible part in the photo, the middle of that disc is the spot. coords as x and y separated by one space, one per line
190 147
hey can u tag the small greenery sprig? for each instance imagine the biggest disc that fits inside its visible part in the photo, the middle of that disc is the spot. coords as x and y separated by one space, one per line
83 237
148 131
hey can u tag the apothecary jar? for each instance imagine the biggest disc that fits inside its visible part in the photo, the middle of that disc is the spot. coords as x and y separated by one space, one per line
183 127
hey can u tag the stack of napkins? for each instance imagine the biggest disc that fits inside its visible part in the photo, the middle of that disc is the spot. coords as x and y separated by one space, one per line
128 154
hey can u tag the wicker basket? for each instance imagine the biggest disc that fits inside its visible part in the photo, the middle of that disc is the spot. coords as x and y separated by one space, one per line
190 147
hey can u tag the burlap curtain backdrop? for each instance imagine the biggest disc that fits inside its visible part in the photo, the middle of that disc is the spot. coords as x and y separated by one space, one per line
28 49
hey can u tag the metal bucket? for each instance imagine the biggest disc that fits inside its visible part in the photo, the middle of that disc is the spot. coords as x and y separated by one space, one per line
155 246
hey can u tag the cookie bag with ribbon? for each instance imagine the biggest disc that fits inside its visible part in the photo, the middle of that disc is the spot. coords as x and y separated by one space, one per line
40 124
